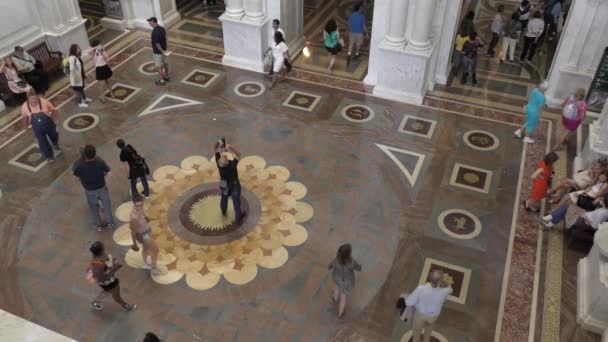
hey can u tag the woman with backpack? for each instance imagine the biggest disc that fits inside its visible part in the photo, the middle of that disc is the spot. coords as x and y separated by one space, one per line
573 114
332 41
75 69
102 270
103 73
138 168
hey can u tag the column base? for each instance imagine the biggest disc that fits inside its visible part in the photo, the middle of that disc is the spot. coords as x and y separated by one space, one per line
114 24
402 74
77 34
583 315
244 43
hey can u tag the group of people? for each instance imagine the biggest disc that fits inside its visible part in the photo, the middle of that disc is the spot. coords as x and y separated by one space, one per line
535 23
23 72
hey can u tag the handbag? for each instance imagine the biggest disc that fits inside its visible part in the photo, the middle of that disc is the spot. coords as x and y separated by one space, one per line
585 202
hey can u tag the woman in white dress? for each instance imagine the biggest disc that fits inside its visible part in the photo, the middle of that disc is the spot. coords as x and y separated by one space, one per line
280 53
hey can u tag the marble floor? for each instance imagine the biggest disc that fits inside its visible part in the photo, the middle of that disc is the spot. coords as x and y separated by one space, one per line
412 188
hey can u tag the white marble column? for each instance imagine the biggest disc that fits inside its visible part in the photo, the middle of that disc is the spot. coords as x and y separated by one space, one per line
592 286
396 22
423 20
254 10
234 8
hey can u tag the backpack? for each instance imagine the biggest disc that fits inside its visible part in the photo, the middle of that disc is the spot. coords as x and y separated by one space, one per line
65 65
571 110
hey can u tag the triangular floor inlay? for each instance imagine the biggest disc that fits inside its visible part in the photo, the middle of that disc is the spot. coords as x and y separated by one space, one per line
408 162
166 102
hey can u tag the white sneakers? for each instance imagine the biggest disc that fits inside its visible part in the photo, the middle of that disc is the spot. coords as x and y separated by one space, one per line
546 220
83 105
528 140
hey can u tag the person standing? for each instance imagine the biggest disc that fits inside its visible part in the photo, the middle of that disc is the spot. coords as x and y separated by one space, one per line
542 177
356 23
524 13
31 70
103 72
536 102
510 38
534 30
573 114
332 42
280 57
102 270
343 269
469 60
138 168
160 52
556 12
92 173
141 232
229 178
467 25
44 118
426 303
461 39
497 28
77 75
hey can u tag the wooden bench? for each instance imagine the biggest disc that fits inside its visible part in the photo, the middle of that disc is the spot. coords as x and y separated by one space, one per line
50 60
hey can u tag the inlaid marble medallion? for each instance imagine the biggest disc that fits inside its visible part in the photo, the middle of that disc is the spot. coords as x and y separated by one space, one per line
457 277
31 158
471 178
459 224
417 126
357 113
148 68
481 140
249 89
122 93
435 337
201 78
81 122
301 100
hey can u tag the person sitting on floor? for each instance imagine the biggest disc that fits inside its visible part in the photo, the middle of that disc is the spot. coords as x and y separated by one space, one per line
590 220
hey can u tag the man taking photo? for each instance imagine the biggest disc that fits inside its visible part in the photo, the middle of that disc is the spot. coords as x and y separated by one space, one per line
229 177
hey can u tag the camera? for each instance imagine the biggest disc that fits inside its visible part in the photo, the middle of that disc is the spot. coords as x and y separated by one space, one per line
223 142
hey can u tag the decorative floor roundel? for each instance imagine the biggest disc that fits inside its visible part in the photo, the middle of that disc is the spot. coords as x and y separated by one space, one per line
481 140
197 242
80 122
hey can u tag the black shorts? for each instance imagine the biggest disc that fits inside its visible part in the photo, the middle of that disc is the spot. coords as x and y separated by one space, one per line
103 73
110 286
334 50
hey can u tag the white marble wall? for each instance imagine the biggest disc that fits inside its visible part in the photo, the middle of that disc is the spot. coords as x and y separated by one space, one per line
580 48
403 73
26 23
136 13
246 41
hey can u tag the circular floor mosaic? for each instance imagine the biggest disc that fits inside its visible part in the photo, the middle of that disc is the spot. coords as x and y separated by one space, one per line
249 89
459 224
80 122
219 247
357 113
481 140
148 68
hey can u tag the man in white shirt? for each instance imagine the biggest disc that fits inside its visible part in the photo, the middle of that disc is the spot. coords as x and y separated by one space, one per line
534 30
426 302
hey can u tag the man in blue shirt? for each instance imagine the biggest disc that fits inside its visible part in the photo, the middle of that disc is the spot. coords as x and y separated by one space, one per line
356 22
92 171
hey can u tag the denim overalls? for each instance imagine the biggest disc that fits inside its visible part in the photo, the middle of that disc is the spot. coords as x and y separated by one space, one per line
43 126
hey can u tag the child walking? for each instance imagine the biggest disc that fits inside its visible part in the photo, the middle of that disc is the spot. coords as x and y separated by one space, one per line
542 182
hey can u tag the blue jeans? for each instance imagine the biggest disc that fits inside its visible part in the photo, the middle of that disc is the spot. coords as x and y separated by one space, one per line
469 65
144 182
559 213
44 127
236 201
93 198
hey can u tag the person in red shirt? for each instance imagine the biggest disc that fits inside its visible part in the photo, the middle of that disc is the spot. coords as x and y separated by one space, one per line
43 117
542 182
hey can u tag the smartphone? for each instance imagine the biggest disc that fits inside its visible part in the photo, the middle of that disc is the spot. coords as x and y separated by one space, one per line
223 142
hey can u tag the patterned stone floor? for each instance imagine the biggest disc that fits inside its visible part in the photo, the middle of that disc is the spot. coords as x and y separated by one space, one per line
412 188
